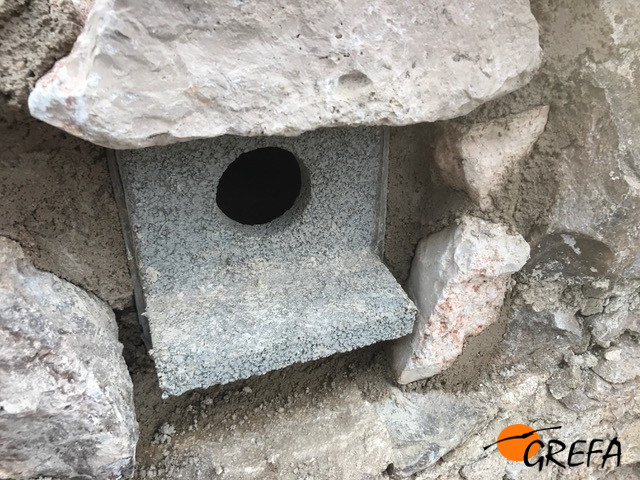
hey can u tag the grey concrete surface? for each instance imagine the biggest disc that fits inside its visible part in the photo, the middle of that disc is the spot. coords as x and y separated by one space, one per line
225 301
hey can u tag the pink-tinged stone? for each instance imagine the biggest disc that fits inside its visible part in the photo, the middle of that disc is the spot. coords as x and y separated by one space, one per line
458 281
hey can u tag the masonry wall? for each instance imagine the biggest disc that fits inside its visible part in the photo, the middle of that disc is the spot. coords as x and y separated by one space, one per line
564 351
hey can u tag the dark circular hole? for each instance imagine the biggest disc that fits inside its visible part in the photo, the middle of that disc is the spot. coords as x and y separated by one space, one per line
259 186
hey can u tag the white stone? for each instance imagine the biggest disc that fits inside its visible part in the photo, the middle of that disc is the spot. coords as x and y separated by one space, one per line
620 314
620 363
66 398
566 320
613 354
149 72
477 159
458 280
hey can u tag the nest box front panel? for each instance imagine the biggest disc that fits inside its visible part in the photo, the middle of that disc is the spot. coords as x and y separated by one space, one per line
252 253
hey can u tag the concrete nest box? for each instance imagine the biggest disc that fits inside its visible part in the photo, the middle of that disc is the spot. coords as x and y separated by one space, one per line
253 253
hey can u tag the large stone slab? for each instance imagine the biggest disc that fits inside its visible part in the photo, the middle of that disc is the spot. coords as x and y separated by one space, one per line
222 300
66 398
458 280
155 72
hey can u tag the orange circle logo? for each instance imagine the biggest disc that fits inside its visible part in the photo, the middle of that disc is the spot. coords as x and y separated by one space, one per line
514 440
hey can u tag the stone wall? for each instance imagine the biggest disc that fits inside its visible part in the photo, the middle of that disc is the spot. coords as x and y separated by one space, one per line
563 350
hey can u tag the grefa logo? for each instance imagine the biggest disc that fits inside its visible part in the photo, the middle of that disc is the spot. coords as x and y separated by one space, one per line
520 443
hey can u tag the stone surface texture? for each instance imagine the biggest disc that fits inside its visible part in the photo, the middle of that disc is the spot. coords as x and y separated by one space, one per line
548 377
34 35
458 280
354 424
599 167
582 176
564 352
345 410
66 399
224 300
57 201
55 190
155 72
424 426
478 158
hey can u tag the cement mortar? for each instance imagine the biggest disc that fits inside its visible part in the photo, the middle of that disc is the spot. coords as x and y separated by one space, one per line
55 190
583 174
56 201
292 423
590 89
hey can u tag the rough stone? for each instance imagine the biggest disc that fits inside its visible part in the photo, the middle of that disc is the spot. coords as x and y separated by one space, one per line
458 280
425 426
281 68
582 177
224 300
419 203
619 363
247 430
478 158
620 314
535 367
55 189
630 438
66 399
536 377
233 433
34 35
347 411
599 180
